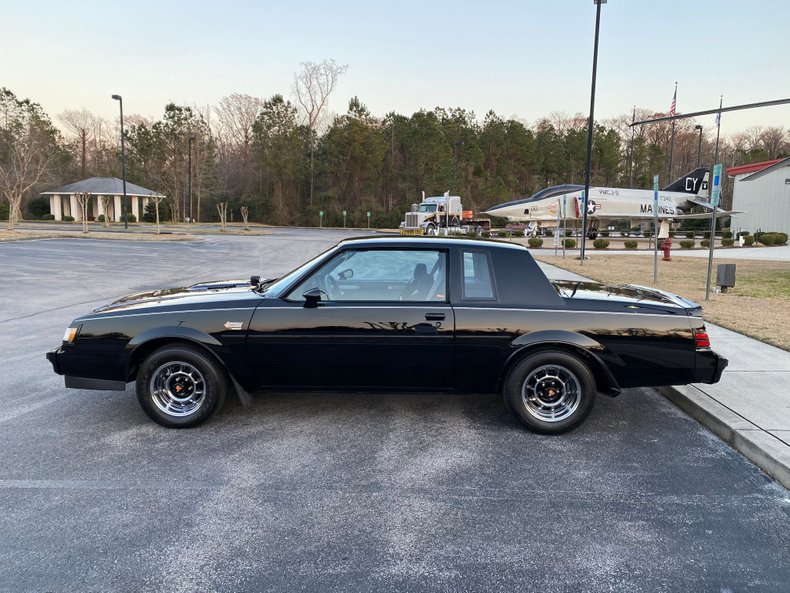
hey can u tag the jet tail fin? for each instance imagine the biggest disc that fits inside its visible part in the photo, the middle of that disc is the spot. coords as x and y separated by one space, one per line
695 182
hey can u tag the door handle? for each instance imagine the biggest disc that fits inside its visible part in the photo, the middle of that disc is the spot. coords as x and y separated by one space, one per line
434 316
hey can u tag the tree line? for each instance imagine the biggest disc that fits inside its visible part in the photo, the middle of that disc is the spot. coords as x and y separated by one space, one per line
286 160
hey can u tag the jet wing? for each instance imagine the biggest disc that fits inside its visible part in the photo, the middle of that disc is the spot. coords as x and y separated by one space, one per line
703 215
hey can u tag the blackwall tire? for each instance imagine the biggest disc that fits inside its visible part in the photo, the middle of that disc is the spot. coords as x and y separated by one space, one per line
180 386
550 391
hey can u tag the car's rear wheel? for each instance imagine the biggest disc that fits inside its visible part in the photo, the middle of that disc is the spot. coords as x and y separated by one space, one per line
550 391
179 386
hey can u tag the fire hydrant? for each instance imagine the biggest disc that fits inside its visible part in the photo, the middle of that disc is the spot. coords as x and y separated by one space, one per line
665 246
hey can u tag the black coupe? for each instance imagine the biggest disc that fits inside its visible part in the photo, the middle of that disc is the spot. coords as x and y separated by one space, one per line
393 313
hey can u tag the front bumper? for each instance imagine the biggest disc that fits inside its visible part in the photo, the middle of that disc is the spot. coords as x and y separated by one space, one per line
54 356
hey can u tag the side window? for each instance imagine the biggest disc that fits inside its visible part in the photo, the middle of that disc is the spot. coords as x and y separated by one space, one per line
417 275
478 280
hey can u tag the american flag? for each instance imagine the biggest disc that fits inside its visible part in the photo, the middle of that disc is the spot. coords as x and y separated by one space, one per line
673 107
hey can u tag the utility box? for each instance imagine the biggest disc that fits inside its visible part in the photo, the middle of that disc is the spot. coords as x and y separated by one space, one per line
725 276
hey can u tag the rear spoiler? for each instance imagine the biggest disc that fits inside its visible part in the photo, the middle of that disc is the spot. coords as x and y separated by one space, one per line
691 307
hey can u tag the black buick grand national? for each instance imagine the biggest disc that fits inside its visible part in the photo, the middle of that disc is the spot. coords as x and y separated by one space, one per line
385 314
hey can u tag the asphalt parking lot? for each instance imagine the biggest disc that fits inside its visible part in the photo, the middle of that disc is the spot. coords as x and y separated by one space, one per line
338 492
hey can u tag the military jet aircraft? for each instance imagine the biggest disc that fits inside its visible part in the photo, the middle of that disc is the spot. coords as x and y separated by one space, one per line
607 204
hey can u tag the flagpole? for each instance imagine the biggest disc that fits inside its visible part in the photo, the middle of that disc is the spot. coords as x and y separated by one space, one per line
631 162
712 237
672 111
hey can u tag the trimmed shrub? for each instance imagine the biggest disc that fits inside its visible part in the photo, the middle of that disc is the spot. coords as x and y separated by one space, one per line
748 241
570 243
687 244
781 238
48 217
689 234
705 243
100 218
630 244
767 238
132 218
727 242
727 235
37 207
535 242
68 218
601 243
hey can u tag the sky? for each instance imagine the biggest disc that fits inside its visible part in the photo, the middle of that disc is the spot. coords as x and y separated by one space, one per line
522 59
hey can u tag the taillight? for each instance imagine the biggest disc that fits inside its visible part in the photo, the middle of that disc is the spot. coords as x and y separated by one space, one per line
701 339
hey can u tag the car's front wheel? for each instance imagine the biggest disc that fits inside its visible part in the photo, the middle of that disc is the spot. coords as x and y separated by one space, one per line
550 391
179 386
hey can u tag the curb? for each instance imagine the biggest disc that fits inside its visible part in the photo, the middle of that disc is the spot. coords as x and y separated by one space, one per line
760 447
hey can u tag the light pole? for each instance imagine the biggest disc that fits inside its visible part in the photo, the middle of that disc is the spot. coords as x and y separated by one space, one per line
189 178
699 143
123 168
588 165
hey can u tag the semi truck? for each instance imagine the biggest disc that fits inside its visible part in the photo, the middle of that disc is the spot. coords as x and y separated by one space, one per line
435 214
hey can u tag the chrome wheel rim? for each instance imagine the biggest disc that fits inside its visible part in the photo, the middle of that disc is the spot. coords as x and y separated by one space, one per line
178 388
551 393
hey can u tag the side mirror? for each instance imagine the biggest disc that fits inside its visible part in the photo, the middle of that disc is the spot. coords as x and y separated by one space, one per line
312 297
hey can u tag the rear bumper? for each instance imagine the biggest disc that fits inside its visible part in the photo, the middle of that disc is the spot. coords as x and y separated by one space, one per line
709 367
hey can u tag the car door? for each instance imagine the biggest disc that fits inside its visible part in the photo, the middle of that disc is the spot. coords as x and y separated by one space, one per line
383 321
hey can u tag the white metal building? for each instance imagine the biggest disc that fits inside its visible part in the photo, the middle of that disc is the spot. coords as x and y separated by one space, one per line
63 200
763 191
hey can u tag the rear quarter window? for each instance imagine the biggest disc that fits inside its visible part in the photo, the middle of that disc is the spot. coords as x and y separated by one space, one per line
478 280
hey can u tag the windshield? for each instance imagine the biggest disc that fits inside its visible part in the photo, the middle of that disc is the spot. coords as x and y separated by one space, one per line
427 208
276 288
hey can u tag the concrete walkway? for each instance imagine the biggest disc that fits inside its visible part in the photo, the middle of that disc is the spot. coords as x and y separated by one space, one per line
749 408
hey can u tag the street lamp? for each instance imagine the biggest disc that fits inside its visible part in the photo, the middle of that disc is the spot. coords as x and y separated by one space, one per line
189 178
123 167
699 144
588 165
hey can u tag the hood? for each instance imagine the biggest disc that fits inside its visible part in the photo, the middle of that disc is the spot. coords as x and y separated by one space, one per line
202 295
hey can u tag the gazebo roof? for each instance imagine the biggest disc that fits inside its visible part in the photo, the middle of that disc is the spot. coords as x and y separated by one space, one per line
105 186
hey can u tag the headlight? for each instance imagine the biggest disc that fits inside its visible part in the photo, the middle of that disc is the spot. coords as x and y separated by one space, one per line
71 333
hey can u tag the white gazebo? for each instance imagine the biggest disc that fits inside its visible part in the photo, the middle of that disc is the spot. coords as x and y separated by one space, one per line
63 200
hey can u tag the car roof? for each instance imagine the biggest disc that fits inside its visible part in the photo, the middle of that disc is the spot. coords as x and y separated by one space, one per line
429 241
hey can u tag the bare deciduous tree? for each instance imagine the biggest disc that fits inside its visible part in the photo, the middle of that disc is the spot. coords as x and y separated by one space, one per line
222 209
312 86
28 142
105 205
236 115
245 212
84 125
156 199
83 198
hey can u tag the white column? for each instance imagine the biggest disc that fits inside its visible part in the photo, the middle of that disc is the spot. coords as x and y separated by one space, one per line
118 211
99 207
136 207
76 209
55 207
